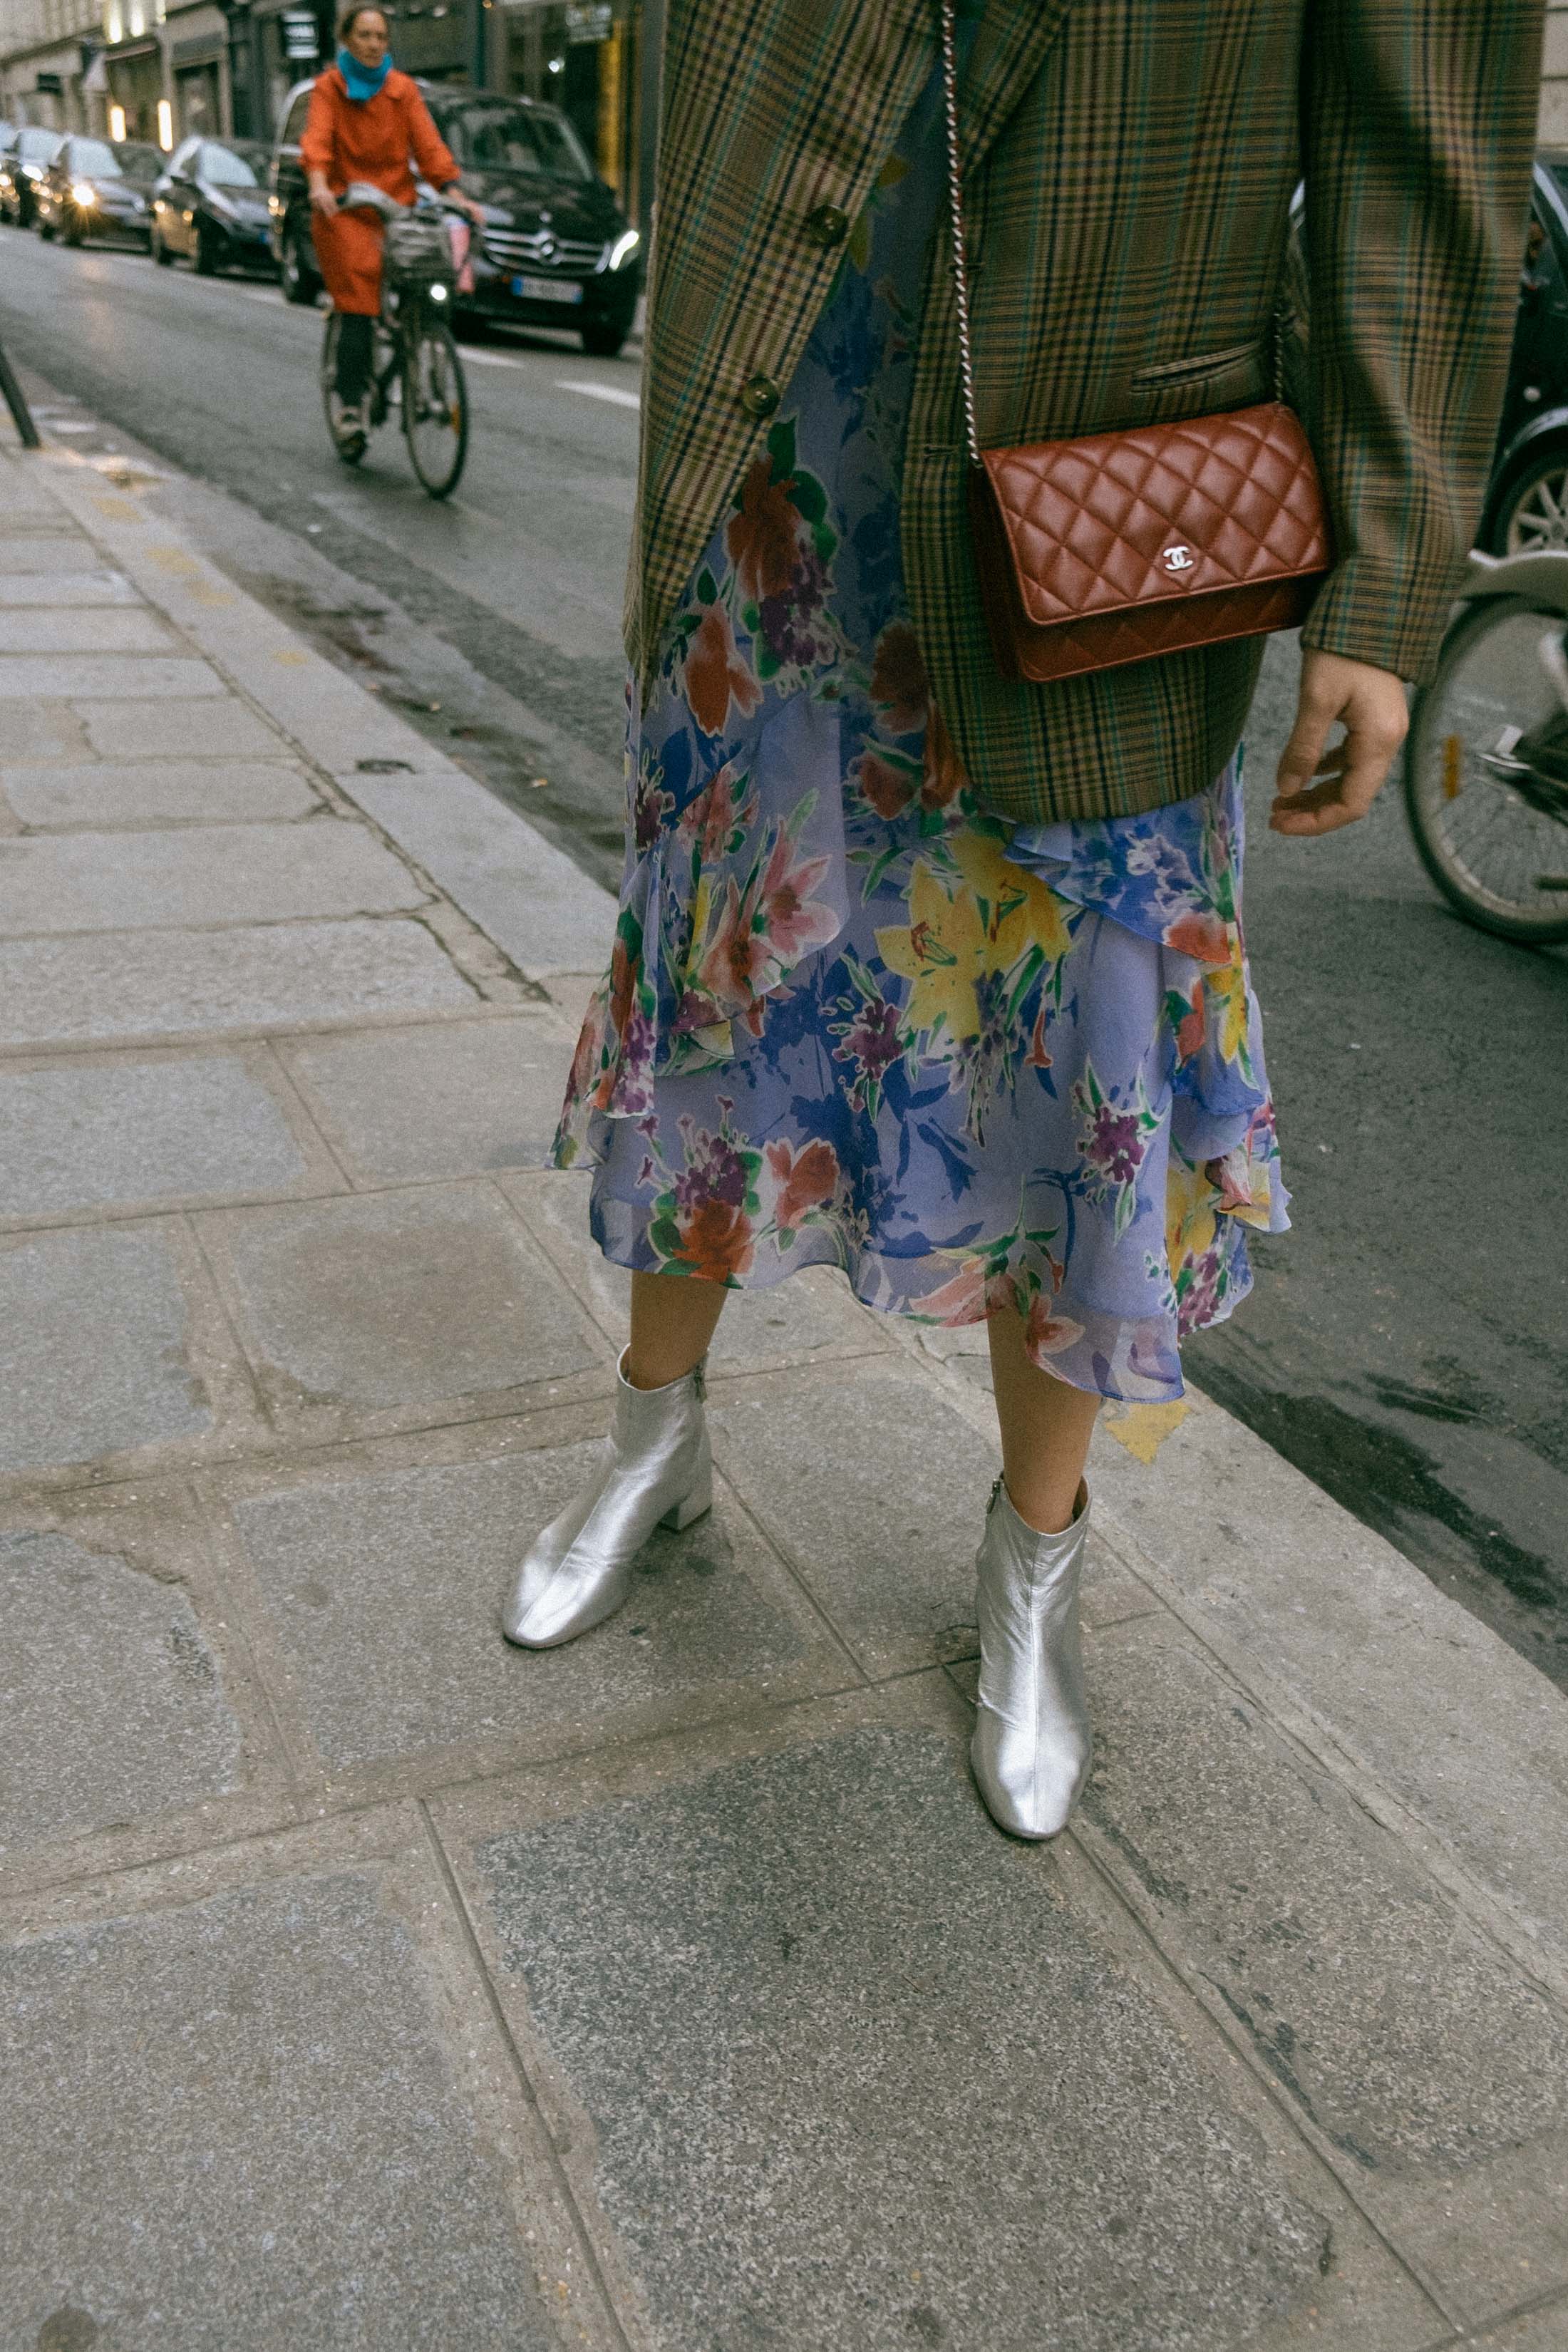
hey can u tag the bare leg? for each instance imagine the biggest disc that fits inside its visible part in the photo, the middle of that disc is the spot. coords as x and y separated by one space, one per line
1046 1429
673 1318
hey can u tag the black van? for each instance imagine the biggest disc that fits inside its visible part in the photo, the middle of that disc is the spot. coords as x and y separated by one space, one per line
557 250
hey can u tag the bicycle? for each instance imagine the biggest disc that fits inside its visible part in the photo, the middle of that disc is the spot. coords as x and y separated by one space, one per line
1486 773
414 358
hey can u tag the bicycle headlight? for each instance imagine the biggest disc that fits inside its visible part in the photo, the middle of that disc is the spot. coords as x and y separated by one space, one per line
84 193
437 293
623 248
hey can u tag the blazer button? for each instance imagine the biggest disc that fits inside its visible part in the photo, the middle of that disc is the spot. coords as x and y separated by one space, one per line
760 396
827 226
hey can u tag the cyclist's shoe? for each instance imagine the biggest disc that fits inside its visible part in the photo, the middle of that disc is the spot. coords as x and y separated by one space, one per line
351 426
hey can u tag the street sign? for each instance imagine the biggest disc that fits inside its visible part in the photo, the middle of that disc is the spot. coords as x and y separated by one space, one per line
300 38
589 20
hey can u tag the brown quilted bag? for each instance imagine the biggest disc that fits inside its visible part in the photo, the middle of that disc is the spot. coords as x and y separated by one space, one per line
1122 546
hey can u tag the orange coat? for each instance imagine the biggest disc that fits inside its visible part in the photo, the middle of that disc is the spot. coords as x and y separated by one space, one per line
374 143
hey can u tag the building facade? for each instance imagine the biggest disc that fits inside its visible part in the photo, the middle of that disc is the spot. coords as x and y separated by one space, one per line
47 49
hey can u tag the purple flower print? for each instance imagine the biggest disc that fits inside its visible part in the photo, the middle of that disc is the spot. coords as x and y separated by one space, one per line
1113 1147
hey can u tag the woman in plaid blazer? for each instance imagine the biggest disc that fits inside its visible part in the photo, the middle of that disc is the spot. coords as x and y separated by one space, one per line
922 974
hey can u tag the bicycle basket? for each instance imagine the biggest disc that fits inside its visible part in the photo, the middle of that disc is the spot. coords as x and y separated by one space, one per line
418 253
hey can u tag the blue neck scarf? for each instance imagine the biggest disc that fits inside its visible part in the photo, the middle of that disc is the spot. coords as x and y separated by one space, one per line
363 82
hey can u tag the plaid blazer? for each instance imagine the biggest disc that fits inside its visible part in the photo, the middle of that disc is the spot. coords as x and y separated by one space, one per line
1128 168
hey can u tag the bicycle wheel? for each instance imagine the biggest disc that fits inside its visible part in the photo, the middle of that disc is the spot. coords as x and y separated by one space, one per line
350 447
1498 852
435 407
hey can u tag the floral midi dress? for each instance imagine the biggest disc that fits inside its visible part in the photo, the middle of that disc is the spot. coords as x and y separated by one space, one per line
852 1018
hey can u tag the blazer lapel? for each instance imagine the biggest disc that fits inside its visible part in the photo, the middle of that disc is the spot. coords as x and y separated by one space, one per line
1012 39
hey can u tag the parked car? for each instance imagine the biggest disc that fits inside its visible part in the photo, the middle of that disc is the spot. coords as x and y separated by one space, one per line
1526 502
211 204
556 251
22 166
98 188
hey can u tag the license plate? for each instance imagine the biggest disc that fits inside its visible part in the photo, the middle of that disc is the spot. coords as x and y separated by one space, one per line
545 290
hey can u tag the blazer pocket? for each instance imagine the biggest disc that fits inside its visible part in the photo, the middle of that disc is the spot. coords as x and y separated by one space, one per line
1170 373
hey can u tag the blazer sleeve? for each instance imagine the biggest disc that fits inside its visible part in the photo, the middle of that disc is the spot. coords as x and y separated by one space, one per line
319 140
1418 124
430 151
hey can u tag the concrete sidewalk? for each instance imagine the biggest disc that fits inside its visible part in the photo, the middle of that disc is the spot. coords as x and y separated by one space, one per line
369 1984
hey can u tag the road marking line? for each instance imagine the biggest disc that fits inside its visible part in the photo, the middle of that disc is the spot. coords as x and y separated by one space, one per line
488 359
610 391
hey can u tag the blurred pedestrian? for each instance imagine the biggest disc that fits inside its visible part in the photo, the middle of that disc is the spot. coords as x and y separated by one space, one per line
366 121
920 971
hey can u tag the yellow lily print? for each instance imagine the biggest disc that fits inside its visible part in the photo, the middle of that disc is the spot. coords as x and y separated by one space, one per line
940 955
1019 911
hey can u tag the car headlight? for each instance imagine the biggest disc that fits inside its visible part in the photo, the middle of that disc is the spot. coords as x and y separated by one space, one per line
83 194
623 248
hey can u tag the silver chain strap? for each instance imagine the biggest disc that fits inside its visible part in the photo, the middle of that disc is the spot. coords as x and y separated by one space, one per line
955 208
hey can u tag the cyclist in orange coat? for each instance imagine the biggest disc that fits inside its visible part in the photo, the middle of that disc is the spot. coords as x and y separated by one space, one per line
367 121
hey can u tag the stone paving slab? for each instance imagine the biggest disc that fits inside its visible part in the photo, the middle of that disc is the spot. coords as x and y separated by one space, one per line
118 882
84 678
522 891
811 1315
107 986
377 1594
411 1103
60 591
35 631
1536 2331
85 1134
887 1543
167 792
392 1310
285 2119
41 731
937 2112
1441 1715
1408 2042
112 1701
95 1336
56 549
218 729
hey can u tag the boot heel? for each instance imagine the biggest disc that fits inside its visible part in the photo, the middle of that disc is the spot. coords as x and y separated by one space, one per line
695 1504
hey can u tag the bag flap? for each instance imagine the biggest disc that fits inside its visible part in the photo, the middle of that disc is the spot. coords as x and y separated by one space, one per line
1120 521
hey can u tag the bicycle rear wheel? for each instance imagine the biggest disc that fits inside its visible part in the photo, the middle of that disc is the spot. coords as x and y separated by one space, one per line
1496 852
350 447
435 407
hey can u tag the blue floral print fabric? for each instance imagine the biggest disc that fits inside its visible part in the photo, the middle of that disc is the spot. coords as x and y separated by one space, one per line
851 1017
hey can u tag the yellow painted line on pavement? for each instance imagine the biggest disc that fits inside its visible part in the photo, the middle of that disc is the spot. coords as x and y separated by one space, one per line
1142 1428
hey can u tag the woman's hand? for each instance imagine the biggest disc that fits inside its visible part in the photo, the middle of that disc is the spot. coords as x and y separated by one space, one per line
1318 790
321 198
469 204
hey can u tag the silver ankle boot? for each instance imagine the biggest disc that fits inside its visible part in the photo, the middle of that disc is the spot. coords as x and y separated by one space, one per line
656 1470
1031 1746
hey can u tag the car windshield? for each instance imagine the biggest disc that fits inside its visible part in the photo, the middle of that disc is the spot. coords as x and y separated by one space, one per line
1557 170
95 159
36 146
139 158
226 167
500 138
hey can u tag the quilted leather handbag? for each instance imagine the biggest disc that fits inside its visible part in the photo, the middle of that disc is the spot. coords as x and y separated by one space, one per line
1119 547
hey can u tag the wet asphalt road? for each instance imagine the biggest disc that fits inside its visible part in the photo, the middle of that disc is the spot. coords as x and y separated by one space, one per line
1407 1345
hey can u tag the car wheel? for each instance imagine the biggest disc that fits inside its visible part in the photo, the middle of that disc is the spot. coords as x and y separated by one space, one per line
45 229
1533 512
603 337
209 256
71 236
159 250
297 277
